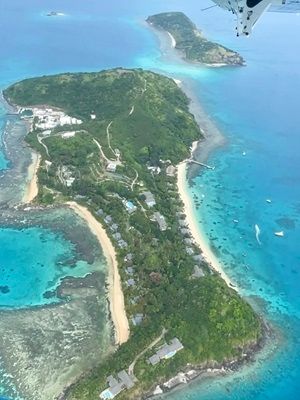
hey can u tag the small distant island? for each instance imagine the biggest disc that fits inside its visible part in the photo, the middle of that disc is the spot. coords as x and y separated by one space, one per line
55 14
191 42
110 146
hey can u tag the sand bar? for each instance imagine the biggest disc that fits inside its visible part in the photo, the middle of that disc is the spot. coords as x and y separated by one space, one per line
116 296
32 189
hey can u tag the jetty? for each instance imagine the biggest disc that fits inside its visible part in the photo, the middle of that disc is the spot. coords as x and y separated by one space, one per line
192 161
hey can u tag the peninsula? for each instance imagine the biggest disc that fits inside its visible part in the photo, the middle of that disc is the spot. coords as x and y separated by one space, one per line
110 143
190 41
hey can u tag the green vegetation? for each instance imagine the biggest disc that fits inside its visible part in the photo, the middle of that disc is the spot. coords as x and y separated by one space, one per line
190 41
139 120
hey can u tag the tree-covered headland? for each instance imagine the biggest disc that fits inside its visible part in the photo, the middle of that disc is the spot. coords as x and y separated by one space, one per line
191 42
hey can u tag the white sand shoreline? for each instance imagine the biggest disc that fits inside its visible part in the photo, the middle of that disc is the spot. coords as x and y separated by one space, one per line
116 296
193 224
32 189
201 149
173 41
213 139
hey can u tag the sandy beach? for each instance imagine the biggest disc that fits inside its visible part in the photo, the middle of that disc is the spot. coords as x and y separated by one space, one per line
198 236
213 139
116 297
173 41
32 189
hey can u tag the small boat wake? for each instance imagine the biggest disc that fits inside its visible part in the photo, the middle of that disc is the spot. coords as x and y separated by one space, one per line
257 234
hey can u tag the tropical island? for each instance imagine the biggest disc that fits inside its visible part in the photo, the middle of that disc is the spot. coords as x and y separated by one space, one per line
55 14
109 145
191 43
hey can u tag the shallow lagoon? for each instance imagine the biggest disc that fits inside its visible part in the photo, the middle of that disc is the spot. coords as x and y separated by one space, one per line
33 261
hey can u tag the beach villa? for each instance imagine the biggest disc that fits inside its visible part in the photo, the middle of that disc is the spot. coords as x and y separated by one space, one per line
171 171
166 351
160 219
130 207
149 199
111 167
116 385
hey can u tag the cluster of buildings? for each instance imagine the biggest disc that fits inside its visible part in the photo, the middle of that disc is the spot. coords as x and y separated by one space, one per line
124 381
190 247
114 228
136 319
49 118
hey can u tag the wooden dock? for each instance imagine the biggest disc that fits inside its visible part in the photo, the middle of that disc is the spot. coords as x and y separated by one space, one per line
191 161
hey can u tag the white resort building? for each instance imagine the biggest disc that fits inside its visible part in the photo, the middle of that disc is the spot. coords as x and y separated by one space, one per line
47 118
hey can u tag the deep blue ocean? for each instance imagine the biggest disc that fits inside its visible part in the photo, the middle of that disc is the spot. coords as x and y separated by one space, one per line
257 109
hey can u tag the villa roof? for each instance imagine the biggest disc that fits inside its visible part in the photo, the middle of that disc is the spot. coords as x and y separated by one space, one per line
116 386
166 351
117 236
129 270
137 319
111 166
198 257
171 170
112 381
114 227
150 200
128 257
198 272
183 222
108 219
189 251
160 219
125 379
122 243
154 359
185 231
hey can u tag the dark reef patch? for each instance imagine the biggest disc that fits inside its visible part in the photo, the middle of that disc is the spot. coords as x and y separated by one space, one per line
4 289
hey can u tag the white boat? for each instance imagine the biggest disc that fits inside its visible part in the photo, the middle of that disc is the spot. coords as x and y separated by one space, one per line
280 234
268 200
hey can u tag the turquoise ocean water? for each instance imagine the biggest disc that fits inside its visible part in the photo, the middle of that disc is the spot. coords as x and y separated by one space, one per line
256 108
33 261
